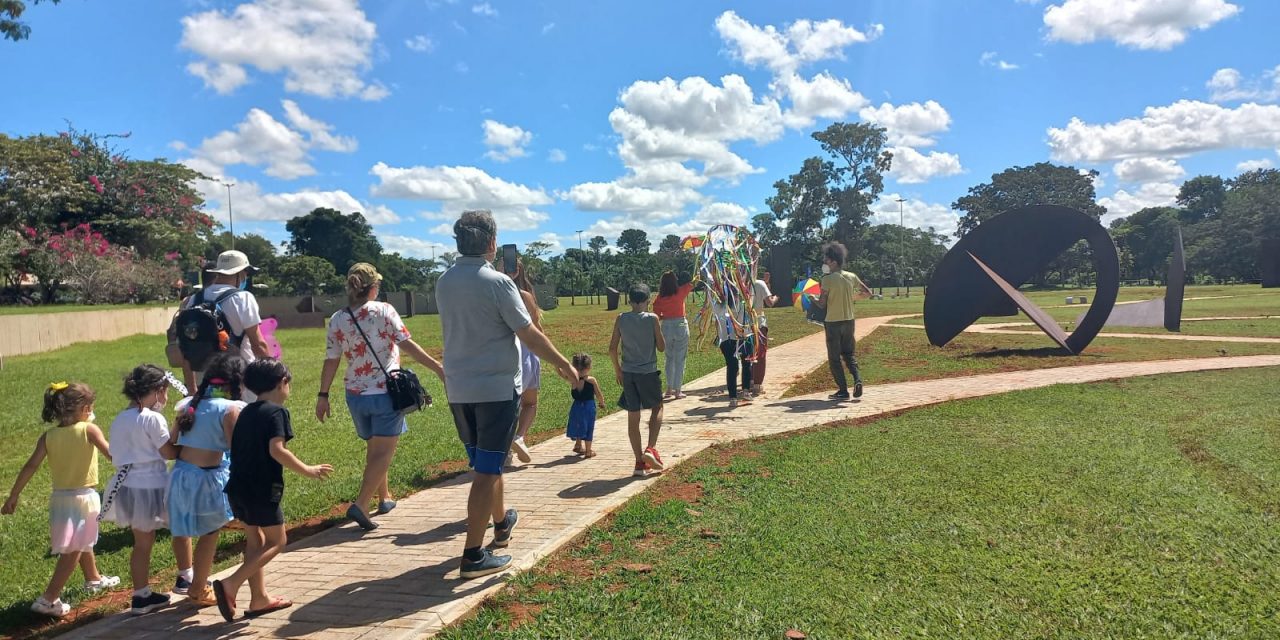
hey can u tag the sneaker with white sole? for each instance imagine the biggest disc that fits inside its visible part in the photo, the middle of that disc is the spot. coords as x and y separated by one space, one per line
102 583
181 585
487 564
502 530
640 472
521 450
652 458
141 606
55 609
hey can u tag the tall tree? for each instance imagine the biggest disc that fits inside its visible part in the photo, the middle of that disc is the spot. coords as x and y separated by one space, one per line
303 275
1146 238
597 244
341 239
400 273
10 11
260 251
634 242
1042 183
1202 197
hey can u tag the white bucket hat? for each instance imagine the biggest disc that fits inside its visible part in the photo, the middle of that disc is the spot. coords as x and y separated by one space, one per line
231 263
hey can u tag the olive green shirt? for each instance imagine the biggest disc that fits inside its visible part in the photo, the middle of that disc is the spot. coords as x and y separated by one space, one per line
841 289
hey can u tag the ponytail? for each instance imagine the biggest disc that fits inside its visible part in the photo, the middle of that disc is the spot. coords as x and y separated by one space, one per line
225 373
64 401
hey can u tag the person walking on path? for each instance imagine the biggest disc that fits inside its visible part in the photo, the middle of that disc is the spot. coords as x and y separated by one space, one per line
530 367
669 305
71 449
839 289
240 307
582 414
256 486
637 338
370 334
482 315
761 297
737 345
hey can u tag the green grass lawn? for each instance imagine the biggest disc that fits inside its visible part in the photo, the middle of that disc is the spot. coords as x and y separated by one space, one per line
1259 328
892 354
15 310
1143 508
429 450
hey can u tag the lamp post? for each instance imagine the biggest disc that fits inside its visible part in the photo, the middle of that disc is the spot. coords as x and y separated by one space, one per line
230 218
902 240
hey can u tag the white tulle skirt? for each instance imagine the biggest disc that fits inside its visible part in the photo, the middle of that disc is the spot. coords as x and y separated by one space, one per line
137 497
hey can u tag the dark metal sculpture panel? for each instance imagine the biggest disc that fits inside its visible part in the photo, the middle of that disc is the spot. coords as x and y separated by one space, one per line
1015 246
1270 264
1175 287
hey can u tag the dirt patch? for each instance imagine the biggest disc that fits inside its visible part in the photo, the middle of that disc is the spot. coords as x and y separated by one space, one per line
576 568
689 492
726 453
651 541
521 614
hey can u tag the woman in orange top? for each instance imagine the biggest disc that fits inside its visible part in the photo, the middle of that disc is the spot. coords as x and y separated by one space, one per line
669 306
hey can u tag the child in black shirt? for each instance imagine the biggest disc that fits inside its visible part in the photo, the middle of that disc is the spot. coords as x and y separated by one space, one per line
256 485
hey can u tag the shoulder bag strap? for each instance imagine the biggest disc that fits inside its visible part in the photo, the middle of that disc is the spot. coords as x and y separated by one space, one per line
372 350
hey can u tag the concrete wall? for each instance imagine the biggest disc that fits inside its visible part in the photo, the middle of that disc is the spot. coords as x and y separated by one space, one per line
39 332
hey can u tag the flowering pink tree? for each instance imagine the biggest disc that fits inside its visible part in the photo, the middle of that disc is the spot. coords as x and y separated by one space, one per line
84 261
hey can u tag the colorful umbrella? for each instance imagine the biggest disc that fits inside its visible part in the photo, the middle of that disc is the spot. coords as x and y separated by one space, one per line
800 295
691 242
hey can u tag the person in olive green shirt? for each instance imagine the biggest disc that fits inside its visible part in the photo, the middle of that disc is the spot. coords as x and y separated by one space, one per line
839 289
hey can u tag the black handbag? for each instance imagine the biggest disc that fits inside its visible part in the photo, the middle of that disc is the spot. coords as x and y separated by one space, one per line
403 386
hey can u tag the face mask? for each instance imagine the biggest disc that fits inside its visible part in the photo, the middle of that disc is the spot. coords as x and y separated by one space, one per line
826 268
157 406
244 284
92 417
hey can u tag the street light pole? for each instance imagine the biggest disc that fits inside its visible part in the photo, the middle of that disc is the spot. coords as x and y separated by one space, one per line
581 261
230 217
902 240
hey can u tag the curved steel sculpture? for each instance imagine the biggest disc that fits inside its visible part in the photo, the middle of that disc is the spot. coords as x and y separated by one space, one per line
981 274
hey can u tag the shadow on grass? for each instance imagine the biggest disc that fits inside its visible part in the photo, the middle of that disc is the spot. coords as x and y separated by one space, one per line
595 488
381 600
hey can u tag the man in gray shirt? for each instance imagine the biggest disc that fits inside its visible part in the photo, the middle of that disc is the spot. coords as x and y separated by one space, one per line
481 313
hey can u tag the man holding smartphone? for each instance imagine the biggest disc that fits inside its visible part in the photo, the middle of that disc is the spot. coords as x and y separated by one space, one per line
482 314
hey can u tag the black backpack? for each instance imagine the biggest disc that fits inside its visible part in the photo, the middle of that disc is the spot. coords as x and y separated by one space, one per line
203 330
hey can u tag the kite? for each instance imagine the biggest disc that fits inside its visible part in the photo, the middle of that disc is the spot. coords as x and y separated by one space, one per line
728 259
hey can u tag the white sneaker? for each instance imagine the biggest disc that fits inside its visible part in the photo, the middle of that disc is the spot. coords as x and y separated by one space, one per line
733 403
521 450
103 582
55 609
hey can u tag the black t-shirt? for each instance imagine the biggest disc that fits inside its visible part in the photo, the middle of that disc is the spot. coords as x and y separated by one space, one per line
255 474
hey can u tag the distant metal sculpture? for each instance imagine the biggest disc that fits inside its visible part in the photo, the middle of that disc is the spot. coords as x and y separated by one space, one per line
1166 311
1270 264
981 274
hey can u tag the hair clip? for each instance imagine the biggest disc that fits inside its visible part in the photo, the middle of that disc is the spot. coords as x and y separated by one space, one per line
175 383
58 386
217 382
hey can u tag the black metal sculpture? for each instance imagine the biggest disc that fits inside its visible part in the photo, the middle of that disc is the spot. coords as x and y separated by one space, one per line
981 274
1270 264
1166 311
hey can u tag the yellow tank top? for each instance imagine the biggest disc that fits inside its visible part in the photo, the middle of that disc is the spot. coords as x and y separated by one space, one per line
73 460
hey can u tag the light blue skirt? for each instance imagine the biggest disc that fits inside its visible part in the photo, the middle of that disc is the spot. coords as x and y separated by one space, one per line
197 504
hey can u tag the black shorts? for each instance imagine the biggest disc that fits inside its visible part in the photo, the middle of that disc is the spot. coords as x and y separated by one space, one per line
641 391
486 430
257 512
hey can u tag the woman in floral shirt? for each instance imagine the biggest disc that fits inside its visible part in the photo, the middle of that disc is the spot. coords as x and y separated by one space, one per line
376 422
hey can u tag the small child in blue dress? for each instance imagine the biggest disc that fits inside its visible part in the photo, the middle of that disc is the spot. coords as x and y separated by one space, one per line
582 415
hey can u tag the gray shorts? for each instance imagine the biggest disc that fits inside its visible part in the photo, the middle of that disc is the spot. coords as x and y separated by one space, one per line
486 430
641 391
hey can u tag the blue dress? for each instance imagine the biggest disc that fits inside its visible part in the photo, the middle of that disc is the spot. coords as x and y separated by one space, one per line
582 415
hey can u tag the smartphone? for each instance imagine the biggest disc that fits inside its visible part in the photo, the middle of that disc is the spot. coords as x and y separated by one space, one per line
509 256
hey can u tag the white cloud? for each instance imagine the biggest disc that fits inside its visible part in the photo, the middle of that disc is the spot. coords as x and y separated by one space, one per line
1254 165
505 142
1138 24
823 96
705 218
802 42
1142 170
909 124
553 240
321 46
546 28
421 44
1228 85
916 214
460 188
912 167
461 67
1122 202
261 140
411 247
644 204
992 59
556 155
484 9
1181 128
250 203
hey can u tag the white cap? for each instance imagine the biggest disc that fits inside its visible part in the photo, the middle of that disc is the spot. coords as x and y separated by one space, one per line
231 263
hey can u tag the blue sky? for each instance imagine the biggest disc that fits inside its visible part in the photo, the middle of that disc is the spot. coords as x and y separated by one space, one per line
665 116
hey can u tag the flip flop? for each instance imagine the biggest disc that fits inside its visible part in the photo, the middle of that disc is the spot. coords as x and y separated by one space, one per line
225 607
276 605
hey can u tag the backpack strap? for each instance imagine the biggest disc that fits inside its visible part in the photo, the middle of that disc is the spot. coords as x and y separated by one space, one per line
217 304
373 352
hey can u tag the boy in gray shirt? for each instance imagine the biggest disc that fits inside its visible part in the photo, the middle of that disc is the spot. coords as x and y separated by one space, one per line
639 333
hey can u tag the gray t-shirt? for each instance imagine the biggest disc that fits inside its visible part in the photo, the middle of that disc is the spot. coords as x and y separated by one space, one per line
480 311
639 345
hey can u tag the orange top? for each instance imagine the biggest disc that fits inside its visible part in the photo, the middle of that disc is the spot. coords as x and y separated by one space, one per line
672 307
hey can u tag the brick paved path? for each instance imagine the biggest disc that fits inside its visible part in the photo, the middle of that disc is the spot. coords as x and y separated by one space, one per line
401 580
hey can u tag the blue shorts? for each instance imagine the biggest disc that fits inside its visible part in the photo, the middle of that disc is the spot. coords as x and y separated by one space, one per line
374 416
486 430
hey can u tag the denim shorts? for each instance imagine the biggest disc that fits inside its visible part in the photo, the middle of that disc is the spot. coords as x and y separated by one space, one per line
374 416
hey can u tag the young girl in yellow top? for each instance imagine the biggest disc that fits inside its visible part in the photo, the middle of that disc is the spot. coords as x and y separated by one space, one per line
74 505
